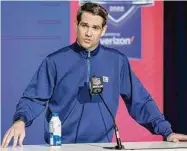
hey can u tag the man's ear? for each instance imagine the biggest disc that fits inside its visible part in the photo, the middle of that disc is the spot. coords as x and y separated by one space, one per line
75 25
104 30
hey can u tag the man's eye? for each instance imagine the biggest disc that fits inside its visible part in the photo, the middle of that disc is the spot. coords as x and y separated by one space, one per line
96 28
84 25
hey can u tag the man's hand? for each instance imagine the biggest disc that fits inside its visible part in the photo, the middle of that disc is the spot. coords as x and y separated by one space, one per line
17 130
174 137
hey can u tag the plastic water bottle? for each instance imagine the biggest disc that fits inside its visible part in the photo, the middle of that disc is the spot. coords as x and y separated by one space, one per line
55 130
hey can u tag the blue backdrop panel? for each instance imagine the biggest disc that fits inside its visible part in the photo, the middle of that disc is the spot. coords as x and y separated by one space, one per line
30 31
124 28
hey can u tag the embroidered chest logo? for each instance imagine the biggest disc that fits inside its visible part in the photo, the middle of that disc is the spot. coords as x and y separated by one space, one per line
105 79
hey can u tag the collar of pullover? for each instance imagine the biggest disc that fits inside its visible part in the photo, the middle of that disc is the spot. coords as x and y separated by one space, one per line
83 52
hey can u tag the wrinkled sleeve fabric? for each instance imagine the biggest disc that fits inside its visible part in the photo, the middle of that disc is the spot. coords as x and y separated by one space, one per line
37 93
140 104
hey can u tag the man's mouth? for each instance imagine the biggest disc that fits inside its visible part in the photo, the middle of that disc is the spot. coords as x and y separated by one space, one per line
87 40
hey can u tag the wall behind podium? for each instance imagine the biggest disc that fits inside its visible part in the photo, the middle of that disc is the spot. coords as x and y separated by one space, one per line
30 31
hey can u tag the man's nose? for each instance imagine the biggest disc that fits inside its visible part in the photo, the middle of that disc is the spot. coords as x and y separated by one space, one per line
89 32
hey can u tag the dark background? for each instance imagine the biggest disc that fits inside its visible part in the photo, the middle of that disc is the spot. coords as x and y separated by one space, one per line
175 65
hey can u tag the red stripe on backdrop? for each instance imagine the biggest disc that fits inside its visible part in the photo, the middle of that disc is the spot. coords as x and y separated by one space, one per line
74 5
149 69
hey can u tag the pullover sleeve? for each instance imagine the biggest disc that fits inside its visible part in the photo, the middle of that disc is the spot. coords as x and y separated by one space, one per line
37 93
140 104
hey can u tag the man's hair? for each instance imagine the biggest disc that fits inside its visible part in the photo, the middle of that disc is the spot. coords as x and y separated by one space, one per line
95 9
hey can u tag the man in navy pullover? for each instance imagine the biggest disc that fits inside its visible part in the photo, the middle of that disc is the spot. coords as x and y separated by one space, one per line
62 85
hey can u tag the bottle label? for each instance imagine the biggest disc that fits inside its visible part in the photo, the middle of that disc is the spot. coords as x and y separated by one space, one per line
55 140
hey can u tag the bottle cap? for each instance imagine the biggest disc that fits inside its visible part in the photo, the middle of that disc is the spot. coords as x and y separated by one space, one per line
54 114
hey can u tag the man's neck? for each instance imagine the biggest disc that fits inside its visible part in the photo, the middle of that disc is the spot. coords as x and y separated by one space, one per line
89 50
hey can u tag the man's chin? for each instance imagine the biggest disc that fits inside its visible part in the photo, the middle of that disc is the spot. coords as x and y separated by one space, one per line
86 46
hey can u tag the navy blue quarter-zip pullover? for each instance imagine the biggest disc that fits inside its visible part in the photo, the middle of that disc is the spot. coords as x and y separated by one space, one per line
61 85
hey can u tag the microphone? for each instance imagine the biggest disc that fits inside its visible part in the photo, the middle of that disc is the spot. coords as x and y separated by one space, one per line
96 85
96 88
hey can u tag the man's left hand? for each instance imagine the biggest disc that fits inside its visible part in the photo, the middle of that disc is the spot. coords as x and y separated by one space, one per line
174 137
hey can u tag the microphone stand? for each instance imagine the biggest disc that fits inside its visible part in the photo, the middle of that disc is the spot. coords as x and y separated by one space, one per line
119 146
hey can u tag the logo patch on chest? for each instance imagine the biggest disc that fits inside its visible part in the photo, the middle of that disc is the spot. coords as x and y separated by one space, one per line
105 79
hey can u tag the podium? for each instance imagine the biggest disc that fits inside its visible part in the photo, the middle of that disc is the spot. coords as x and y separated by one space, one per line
129 146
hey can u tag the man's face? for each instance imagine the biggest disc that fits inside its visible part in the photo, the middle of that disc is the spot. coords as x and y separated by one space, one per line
90 30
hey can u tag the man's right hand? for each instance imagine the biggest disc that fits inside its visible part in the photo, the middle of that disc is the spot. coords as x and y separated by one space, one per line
16 131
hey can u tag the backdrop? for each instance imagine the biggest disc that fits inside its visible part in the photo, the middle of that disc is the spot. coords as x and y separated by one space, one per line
32 30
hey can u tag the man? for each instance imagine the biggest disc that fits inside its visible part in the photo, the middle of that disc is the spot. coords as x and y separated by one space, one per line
62 85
